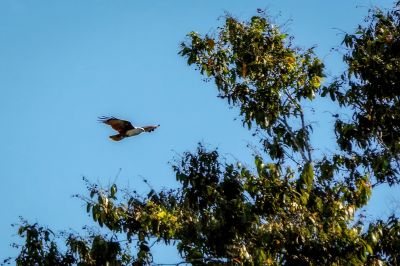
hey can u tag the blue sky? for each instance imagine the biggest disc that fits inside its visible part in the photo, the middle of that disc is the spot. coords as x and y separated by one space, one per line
64 63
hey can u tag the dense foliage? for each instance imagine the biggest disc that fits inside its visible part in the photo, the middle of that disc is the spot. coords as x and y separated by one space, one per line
293 207
372 136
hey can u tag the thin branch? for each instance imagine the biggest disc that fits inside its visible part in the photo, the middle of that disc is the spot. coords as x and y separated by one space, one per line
291 157
289 129
303 125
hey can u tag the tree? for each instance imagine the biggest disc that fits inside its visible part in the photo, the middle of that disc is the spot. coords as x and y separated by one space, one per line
294 207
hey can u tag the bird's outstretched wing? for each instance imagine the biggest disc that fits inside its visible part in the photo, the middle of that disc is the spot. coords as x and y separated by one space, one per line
150 128
119 125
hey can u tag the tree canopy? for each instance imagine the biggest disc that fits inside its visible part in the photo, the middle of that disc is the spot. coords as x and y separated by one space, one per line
294 206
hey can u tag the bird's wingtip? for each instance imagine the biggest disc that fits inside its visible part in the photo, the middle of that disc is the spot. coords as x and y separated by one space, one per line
103 118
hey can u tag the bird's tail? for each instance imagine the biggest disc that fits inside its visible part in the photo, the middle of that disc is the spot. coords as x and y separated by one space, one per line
117 137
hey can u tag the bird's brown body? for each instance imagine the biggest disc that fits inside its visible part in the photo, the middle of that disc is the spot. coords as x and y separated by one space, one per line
124 128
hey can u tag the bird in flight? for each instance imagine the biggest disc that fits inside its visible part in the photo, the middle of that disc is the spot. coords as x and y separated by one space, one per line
124 128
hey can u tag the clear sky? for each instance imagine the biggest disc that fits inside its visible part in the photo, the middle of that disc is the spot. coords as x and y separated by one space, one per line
64 63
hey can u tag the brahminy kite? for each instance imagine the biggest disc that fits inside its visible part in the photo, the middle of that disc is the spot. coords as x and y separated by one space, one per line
124 128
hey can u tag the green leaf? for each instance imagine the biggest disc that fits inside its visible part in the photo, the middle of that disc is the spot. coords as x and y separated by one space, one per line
259 163
94 213
374 238
369 248
113 190
21 230
304 198
332 95
307 176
